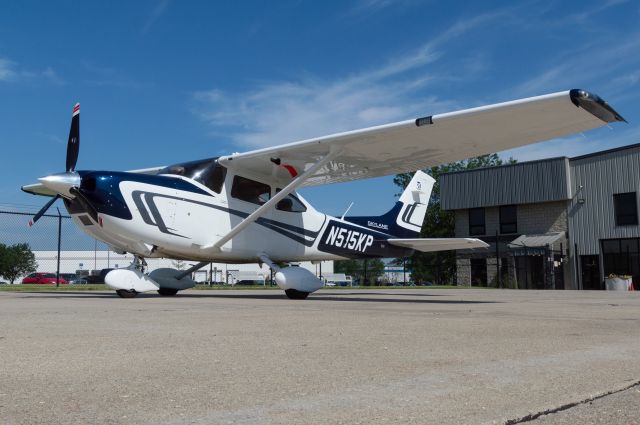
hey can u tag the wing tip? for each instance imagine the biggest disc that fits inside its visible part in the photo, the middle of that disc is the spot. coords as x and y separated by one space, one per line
595 105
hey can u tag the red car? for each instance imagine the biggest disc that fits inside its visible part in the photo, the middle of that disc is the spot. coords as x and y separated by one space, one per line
42 278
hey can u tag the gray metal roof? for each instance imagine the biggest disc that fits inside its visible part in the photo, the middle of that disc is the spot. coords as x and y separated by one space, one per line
533 241
522 183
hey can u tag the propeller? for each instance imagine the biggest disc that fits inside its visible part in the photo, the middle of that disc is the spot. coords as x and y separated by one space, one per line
67 182
73 144
43 210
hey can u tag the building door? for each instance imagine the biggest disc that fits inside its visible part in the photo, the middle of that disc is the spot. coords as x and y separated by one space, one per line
558 271
478 272
590 272
530 272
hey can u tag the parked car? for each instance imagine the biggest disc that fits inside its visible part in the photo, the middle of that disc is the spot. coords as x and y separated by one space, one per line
97 278
78 281
43 278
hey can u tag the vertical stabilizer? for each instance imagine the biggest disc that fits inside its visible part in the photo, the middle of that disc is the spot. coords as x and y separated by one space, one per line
405 218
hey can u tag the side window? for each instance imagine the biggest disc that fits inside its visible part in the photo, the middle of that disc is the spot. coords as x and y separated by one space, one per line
290 203
508 219
626 209
250 190
476 221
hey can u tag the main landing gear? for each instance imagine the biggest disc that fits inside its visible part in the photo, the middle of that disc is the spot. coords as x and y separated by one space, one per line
167 292
297 282
129 282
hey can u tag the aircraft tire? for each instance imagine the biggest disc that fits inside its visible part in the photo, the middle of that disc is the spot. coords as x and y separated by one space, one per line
167 292
294 294
123 293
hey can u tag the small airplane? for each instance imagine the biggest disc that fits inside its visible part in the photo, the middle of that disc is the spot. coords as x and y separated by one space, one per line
243 207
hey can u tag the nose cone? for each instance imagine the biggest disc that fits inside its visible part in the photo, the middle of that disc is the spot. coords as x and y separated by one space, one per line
61 183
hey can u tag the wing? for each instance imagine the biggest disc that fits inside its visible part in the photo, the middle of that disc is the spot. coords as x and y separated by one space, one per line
439 244
431 140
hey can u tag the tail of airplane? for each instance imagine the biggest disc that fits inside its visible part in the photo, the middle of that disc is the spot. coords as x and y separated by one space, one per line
405 219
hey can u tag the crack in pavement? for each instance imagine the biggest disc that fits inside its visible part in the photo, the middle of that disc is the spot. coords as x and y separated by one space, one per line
533 416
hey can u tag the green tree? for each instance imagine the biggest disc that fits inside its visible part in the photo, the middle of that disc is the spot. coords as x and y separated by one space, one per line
16 260
439 267
3 258
356 269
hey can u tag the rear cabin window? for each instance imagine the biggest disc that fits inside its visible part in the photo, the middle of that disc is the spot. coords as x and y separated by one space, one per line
250 190
290 203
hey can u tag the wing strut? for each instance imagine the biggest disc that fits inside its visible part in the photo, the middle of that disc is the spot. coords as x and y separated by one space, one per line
334 151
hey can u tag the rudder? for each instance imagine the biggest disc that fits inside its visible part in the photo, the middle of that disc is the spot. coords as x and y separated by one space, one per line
405 218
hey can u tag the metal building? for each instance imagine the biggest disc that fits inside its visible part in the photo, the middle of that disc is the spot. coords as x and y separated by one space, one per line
558 223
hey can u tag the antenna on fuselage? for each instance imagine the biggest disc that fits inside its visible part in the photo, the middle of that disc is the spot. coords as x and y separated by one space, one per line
346 211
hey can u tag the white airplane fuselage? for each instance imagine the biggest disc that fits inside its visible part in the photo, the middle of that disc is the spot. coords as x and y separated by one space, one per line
178 217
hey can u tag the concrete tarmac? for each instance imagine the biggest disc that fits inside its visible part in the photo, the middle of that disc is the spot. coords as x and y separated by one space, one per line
422 356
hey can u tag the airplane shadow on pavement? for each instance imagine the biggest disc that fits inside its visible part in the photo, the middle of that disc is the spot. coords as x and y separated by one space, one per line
385 297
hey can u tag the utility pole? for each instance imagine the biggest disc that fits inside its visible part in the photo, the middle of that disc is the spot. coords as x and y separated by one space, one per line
59 241
499 278
365 271
404 270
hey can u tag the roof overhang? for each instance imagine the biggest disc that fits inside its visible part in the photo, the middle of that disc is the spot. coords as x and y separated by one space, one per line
536 241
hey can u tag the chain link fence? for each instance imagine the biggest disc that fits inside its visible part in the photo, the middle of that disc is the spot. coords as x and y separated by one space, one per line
80 254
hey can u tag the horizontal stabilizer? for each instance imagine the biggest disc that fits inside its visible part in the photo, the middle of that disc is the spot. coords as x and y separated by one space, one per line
439 244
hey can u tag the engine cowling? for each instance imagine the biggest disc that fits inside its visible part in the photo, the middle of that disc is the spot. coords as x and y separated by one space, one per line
297 278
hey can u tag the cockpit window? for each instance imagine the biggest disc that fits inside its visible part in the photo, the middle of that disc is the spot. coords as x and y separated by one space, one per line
205 171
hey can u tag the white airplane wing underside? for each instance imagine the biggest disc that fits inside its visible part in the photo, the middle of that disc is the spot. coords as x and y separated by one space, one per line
431 140
439 244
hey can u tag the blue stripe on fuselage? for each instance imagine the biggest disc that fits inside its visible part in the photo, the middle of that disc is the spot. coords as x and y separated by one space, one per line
102 188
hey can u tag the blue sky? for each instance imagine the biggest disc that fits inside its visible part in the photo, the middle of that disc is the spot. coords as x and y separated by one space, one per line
166 81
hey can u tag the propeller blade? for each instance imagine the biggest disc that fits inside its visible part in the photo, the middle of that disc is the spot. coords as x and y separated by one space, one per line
43 210
79 196
73 145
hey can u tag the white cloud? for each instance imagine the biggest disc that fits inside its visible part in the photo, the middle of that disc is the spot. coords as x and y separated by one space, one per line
364 8
11 72
599 7
285 111
601 61
155 14
7 71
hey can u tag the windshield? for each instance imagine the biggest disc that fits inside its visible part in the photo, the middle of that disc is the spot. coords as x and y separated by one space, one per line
205 171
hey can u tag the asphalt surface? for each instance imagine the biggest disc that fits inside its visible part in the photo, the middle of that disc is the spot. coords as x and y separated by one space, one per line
355 356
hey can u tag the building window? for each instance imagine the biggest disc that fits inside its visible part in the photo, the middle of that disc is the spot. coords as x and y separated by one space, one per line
508 219
476 221
478 272
626 209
